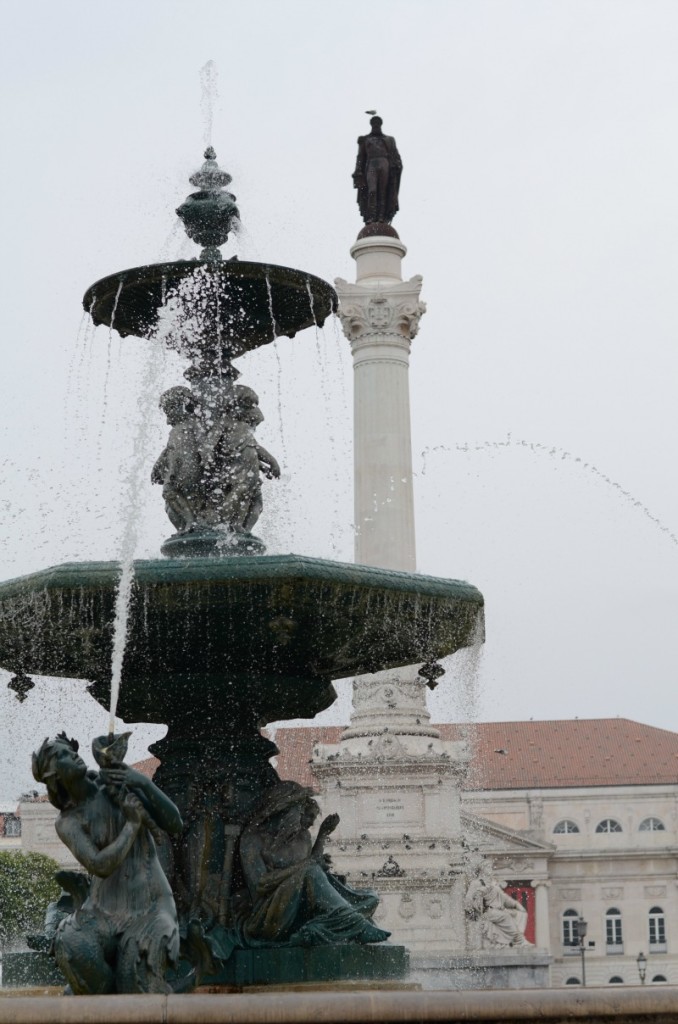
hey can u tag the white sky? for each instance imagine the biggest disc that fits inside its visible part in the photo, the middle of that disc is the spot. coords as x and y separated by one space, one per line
540 203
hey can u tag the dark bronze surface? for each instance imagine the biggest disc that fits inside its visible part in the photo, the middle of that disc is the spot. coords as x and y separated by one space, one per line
123 932
242 307
283 625
377 175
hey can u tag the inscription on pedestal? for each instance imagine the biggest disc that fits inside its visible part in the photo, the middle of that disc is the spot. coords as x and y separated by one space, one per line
396 809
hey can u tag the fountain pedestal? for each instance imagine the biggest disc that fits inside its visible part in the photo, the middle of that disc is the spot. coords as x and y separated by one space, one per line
216 649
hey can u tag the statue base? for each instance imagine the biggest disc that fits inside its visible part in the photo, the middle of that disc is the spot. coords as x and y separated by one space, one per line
30 970
211 543
284 965
378 228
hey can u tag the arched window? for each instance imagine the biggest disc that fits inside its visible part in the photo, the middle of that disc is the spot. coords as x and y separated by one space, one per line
565 826
570 928
659 977
657 934
608 825
616 980
613 932
651 825
576 981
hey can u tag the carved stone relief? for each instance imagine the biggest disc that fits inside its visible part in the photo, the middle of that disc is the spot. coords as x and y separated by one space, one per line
407 907
394 312
569 894
434 906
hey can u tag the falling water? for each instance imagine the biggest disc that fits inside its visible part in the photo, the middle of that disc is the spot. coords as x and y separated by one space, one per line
336 524
109 348
81 350
209 79
148 392
339 348
311 300
269 294
556 453
181 316
77 361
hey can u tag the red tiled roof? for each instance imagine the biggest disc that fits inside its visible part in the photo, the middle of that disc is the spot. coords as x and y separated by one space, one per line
531 755
147 767
523 755
296 750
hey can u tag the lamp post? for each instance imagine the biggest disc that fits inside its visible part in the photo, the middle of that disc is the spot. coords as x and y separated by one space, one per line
582 928
641 960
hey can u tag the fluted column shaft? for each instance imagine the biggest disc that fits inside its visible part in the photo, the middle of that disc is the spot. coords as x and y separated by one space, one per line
380 315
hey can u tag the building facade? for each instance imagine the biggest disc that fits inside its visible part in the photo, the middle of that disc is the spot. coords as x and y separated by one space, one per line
10 828
578 818
580 821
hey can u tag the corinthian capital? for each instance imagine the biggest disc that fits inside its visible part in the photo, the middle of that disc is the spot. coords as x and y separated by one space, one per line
387 312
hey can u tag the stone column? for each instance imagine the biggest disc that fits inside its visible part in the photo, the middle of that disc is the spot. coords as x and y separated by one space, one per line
394 782
380 316
542 938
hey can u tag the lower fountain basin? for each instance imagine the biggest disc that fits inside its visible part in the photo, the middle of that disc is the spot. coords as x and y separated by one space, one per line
269 631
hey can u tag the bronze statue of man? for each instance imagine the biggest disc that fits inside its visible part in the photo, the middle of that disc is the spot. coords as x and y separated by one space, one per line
377 175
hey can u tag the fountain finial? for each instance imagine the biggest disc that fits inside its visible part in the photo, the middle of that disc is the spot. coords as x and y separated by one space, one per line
208 215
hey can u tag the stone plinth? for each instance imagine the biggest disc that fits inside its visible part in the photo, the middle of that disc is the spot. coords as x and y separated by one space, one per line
489 970
396 787
294 964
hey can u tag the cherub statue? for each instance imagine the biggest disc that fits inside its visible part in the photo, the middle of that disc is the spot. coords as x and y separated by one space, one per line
295 899
179 468
502 918
234 462
211 466
123 934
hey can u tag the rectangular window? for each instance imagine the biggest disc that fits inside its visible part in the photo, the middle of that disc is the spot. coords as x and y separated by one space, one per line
614 945
657 931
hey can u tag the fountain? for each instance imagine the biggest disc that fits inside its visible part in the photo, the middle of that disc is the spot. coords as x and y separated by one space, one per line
220 638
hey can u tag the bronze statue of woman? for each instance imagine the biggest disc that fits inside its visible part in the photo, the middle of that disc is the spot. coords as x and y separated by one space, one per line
125 934
296 900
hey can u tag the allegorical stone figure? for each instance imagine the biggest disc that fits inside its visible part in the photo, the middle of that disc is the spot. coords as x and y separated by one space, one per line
211 467
377 175
295 899
502 918
124 933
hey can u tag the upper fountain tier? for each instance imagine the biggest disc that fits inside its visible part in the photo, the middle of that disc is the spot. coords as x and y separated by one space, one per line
249 304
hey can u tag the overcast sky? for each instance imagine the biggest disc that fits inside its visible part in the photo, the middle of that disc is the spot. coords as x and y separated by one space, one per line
540 202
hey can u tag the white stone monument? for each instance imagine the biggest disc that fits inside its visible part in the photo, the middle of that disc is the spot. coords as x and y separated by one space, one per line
393 781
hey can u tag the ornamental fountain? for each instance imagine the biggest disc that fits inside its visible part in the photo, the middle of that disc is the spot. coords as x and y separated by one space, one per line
222 638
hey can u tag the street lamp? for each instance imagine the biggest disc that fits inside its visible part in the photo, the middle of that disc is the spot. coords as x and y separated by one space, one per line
582 928
641 960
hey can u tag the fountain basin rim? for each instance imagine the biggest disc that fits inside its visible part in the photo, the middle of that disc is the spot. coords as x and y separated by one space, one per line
128 300
250 568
